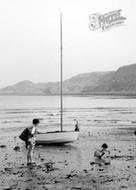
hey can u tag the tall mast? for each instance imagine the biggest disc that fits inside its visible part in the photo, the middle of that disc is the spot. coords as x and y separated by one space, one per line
61 76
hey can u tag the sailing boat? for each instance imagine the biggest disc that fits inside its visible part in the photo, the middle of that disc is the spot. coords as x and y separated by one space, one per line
58 137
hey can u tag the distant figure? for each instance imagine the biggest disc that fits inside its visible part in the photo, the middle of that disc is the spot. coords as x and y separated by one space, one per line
76 125
102 155
31 140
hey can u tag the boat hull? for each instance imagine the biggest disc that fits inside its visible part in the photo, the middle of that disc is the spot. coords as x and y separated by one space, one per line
57 137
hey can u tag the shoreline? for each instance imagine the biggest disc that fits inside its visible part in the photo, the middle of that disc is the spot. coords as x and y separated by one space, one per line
116 94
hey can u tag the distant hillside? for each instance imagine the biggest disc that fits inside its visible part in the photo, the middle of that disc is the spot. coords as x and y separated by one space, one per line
29 88
80 83
122 81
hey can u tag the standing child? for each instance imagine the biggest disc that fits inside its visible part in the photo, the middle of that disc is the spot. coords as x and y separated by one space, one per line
76 125
31 141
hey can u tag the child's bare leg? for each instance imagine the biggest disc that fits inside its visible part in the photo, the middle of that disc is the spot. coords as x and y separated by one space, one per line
29 156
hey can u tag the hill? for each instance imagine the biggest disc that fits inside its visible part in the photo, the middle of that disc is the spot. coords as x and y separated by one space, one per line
122 81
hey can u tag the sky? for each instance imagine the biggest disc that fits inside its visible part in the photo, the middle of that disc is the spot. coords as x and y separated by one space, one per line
30 39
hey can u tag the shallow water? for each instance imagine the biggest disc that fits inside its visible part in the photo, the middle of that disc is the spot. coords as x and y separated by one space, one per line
17 112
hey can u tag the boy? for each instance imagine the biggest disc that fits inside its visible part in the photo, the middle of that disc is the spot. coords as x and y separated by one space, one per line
102 155
31 140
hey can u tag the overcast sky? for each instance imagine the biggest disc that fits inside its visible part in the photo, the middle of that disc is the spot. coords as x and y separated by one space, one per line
30 39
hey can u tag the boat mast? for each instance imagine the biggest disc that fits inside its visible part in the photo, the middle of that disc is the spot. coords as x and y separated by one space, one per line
61 76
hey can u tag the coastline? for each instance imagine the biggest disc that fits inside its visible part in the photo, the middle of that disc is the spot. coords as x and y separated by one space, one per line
116 94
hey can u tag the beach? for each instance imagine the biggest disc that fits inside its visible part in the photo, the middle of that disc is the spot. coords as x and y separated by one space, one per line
108 120
68 166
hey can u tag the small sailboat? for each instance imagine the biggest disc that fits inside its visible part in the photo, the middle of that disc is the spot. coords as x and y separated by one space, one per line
58 137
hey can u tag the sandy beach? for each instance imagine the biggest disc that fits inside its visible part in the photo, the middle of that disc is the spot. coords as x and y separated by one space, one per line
68 166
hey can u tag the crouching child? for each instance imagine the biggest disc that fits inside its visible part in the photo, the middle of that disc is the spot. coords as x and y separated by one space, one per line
102 155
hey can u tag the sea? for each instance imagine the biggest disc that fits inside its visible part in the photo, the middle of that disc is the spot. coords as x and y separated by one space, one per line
17 112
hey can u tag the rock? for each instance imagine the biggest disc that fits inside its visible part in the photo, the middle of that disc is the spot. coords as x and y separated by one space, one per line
74 188
21 175
49 166
85 171
8 169
44 187
68 176
101 169
92 163
7 188
56 181
17 148
107 163
28 180
16 173
14 186
3 146
38 167
124 187
72 174
42 159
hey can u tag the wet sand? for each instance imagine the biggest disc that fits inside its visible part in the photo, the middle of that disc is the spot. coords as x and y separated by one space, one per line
68 166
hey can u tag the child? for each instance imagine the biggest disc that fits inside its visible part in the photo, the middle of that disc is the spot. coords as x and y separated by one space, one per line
31 141
76 125
102 155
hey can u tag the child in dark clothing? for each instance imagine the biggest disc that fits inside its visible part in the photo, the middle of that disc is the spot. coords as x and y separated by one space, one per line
102 155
